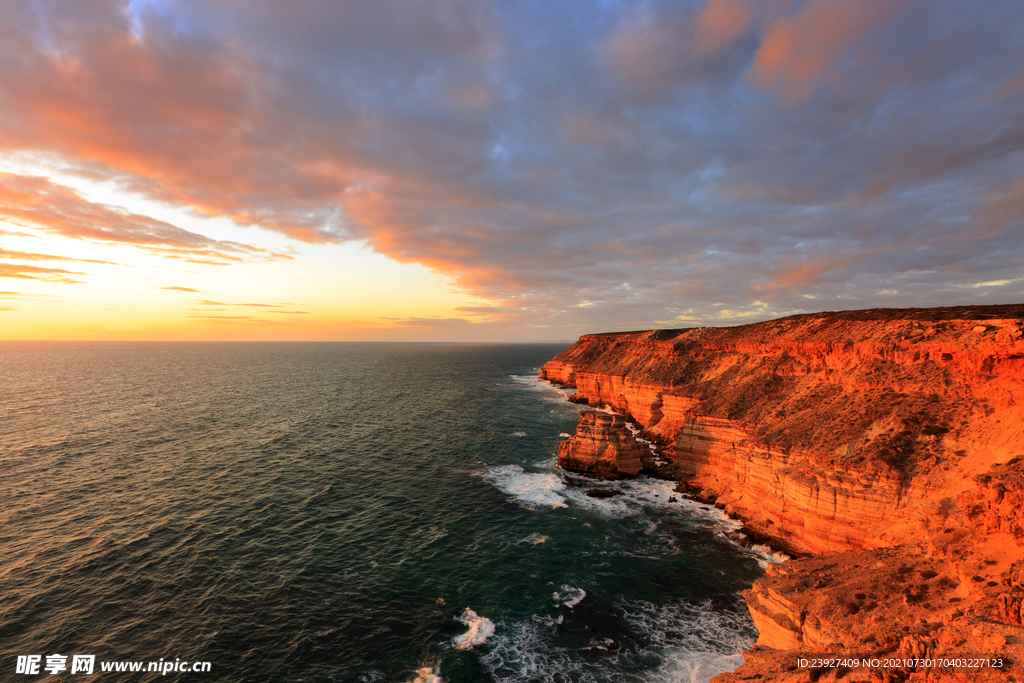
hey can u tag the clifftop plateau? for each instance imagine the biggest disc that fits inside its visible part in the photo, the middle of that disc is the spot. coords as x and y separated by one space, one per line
890 439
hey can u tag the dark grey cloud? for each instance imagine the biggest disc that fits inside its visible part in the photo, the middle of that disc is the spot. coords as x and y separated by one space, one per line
583 165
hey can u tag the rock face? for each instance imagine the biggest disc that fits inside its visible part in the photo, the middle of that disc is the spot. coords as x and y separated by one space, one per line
853 434
603 446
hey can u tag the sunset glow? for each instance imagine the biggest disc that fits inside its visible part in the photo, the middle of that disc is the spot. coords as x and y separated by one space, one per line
474 171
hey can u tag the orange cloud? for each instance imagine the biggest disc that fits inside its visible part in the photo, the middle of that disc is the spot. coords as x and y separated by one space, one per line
720 22
796 52
430 322
182 289
25 272
207 302
31 256
34 202
174 120
799 277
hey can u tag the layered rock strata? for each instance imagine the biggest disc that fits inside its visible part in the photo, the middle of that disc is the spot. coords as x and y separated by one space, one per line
857 434
603 446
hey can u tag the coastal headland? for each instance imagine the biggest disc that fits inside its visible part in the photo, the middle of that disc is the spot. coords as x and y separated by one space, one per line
883 449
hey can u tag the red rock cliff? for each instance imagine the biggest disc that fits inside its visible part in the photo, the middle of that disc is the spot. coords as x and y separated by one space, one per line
848 432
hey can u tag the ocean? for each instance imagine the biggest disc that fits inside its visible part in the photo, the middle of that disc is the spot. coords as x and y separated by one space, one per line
338 512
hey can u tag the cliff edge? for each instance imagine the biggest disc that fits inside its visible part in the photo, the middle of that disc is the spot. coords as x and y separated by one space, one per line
889 441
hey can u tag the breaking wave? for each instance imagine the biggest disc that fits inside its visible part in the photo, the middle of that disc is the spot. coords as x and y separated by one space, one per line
529 489
569 596
480 629
661 644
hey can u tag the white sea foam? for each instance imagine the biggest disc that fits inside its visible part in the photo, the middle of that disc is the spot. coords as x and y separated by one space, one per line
637 494
529 489
549 463
674 643
428 675
480 629
646 493
635 431
766 556
694 641
570 596
525 651
518 433
564 435
551 392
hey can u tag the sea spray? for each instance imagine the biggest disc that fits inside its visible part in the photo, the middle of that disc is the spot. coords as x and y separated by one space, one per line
480 629
428 674
530 489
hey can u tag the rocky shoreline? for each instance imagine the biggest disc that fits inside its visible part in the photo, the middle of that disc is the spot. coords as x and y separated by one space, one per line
883 448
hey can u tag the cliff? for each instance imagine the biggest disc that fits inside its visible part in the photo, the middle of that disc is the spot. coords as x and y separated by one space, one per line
856 435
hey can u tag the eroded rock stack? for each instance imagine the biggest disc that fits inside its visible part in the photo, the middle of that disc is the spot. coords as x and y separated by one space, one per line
603 446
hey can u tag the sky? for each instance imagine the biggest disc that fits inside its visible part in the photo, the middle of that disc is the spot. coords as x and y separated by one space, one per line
513 170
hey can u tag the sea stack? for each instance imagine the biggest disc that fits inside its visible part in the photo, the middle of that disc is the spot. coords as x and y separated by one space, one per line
603 446
885 448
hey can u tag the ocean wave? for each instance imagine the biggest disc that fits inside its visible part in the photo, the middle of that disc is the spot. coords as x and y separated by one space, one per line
637 495
646 493
766 556
480 629
428 675
663 644
529 489
434 533
525 651
694 641
533 539
569 596
551 392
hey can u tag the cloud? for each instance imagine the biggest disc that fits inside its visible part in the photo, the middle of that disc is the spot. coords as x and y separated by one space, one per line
208 302
578 165
659 49
32 256
41 204
720 22
796 51
26 272
430 322
223 318
182 289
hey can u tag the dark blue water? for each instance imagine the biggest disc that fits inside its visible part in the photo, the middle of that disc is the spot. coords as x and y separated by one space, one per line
329 512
